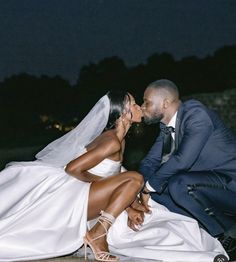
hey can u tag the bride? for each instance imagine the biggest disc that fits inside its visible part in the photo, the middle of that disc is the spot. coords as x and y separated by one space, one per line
46 204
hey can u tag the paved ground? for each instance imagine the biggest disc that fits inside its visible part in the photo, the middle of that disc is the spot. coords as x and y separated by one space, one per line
76 259
64 259
79 259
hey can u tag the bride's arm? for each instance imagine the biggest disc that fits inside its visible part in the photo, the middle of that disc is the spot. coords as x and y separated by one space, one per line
79 167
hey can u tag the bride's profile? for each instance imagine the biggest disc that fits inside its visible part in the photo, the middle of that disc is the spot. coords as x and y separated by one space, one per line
46 204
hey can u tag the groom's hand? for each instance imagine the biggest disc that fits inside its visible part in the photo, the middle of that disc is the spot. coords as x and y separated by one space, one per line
144 198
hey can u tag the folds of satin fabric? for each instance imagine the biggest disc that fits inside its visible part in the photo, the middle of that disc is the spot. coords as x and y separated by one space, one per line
164 236
43 214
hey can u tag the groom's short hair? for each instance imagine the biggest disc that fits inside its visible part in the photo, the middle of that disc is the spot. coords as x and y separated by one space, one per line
165 84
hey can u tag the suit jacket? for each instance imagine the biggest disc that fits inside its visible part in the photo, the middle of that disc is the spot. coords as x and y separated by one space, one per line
202 143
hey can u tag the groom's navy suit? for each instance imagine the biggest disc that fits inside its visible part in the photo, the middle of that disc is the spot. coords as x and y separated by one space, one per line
199 178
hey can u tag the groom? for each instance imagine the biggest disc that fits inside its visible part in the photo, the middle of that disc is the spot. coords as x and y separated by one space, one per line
191 168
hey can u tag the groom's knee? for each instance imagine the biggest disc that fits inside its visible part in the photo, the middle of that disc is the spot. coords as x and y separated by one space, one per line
178 187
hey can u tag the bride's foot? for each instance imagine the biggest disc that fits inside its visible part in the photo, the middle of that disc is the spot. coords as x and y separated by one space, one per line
96 239
99 248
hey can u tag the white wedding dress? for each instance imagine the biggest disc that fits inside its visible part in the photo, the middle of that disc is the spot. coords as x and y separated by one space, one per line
43 214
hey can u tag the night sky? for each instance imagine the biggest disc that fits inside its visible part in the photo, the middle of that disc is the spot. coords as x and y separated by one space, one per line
57 37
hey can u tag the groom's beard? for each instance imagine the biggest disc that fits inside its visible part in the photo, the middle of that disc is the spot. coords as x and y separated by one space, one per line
153 119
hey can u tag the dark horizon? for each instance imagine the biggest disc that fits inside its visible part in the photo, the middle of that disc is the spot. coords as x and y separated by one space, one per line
207 56
36 110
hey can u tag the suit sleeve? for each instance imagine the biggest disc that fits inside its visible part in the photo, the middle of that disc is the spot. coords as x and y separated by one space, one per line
152 161
197 129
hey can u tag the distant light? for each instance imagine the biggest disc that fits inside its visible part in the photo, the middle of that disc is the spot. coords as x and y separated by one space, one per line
44 118
58 126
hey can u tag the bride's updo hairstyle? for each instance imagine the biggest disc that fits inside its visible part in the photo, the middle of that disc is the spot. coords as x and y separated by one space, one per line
118 100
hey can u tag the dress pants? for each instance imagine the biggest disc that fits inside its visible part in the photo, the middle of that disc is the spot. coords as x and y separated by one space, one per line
209 197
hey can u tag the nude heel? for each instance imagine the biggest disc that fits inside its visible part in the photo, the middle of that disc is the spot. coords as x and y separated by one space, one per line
101 255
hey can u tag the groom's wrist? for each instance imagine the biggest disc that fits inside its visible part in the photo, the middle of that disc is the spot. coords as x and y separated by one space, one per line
149 188
145 190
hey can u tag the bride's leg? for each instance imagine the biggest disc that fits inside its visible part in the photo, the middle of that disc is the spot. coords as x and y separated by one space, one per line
113 195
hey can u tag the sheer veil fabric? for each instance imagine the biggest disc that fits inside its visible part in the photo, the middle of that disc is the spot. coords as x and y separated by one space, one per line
66 148
43 210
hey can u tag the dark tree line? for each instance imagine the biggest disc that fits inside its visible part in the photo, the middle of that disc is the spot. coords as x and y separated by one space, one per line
24 98
191 74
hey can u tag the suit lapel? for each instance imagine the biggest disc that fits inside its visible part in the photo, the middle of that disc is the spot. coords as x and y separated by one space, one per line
177 126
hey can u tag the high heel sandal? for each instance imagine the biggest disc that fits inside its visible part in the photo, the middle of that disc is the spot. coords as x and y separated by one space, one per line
101 255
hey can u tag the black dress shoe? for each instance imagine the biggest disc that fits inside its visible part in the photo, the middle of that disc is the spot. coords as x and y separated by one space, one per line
229 244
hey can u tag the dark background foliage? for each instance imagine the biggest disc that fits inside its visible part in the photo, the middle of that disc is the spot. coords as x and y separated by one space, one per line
35 110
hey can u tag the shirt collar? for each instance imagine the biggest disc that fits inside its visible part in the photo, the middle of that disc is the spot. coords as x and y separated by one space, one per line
173 120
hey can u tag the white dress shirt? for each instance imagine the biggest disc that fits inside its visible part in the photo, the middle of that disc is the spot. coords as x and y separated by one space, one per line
171 123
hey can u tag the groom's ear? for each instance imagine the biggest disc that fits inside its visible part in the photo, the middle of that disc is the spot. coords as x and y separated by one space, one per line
166 103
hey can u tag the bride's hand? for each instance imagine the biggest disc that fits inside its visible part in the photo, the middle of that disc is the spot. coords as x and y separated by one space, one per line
135 218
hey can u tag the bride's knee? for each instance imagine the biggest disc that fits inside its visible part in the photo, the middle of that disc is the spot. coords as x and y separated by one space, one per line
135 178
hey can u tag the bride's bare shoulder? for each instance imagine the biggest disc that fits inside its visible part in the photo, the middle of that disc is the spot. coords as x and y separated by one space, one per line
107 139
110 138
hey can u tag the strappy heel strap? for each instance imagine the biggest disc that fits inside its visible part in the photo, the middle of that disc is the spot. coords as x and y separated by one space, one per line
110 219
101 255
104 217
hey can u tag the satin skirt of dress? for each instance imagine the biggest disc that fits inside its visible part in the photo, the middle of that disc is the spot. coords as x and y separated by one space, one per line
164 236
43 212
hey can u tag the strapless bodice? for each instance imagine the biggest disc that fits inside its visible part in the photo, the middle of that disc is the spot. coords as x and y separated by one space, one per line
106 168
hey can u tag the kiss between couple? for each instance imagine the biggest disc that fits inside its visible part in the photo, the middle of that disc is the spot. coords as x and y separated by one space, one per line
47 204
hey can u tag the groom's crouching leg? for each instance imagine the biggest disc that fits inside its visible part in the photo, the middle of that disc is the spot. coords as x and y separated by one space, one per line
184 196
192 191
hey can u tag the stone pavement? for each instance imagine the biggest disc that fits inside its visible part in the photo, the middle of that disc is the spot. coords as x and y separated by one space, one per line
77 259
65 259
